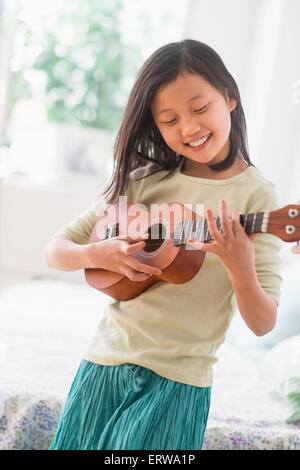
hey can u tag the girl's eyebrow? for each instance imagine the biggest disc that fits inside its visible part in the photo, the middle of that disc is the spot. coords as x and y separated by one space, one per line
191 99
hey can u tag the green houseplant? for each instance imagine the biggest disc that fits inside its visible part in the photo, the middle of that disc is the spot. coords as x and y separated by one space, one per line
85 61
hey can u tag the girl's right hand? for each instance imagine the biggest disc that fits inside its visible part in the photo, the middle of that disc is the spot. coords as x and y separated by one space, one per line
115 254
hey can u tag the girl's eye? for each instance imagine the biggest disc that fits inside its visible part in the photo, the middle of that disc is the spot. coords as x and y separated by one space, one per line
169 122
196 111
200 110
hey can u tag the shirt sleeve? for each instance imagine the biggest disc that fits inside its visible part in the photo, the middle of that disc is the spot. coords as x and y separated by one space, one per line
80 228
267 246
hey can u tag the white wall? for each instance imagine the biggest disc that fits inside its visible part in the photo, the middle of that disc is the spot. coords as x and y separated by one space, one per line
279 149
30 215
226 26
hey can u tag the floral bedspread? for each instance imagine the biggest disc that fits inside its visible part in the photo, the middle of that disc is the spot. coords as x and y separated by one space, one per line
246 413
27 422
43 336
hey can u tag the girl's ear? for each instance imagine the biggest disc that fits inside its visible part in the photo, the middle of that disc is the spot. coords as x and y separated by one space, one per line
231 102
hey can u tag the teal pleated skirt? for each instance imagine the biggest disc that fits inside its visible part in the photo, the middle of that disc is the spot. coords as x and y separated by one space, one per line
129 407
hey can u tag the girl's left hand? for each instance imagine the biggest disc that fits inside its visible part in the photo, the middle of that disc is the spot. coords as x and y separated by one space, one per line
234 247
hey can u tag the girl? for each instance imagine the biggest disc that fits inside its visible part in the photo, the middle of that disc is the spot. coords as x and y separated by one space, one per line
145 381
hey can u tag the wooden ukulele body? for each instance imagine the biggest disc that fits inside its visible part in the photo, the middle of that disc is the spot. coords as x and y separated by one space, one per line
179 263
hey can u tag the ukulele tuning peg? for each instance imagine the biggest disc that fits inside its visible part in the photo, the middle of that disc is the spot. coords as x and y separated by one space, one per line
296 249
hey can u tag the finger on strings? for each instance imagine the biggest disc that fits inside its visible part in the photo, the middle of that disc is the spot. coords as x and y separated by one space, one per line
195 244
236 224
225 222
207 247
216 234
133 248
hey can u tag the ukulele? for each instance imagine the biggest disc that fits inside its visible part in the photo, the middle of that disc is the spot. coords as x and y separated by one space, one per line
169 227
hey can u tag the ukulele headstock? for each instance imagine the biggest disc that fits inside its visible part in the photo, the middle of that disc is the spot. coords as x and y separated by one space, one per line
285 224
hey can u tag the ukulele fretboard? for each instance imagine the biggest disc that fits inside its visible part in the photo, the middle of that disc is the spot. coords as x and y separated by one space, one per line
198 228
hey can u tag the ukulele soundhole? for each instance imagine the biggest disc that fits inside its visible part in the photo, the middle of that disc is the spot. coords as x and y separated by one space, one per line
157 235
110 231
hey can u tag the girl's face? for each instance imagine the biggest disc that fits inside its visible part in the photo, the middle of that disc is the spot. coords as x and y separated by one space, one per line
188 109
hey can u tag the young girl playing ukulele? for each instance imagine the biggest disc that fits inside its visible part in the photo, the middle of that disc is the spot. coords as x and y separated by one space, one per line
145 380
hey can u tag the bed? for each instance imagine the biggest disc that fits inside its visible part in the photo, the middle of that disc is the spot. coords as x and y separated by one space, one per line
45 327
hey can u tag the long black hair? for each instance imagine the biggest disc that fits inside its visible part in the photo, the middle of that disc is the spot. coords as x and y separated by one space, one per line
139 140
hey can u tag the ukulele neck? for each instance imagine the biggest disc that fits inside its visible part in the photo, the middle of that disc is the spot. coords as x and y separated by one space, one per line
198 228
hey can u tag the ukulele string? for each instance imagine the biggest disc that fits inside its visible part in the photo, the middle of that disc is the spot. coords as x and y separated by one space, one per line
219 218
158 241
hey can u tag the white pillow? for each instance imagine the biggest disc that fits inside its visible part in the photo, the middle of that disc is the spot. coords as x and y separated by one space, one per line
281 367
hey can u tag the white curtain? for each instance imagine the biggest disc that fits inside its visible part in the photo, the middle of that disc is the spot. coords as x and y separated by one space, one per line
8 22
259 41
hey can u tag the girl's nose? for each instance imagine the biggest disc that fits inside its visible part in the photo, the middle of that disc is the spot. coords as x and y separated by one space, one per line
189 127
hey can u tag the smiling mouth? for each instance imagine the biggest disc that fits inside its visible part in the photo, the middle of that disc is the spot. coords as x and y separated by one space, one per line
198 143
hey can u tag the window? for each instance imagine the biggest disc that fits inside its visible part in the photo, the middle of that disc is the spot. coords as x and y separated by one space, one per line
72 65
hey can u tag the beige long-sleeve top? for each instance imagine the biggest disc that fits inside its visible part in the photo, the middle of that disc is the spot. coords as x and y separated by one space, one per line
176 329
